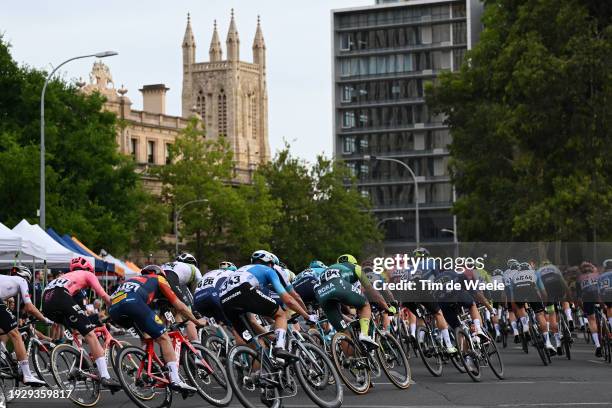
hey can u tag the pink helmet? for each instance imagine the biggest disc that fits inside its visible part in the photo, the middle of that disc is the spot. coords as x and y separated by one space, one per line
80 264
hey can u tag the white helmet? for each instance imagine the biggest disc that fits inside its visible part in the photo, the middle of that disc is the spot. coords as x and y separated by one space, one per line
187 258
265 256
23 271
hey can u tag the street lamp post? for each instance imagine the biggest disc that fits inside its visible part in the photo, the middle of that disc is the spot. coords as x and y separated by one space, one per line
381 222
416 192
177 214
455 240
42 209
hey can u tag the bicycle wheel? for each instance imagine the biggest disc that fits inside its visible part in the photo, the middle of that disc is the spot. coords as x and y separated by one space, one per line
74 372
605 341
314 370
352 366
115 348
467 355
394 361
40 359
429 352
494 358
143 389
245 374
217 345
504 335
212 384
538 342
8 377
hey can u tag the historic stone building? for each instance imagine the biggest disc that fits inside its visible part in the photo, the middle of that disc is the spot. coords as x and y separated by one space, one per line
230 95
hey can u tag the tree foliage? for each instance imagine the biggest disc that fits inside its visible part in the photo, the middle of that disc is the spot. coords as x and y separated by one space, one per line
92 190
530 113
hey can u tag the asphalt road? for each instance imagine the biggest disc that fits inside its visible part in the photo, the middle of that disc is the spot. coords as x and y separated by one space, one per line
585 381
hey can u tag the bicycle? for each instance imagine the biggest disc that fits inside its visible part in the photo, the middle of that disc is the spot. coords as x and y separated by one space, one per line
74 371
564 331
143 374
255 372
481 351
604 330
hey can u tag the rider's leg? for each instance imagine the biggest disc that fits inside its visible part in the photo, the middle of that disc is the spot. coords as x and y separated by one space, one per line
280 328
97 353
475 315
593 327
165 344
554 326
365 314
21 353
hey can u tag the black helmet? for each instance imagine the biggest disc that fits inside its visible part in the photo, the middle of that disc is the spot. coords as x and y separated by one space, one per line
498 272
152 270
187 258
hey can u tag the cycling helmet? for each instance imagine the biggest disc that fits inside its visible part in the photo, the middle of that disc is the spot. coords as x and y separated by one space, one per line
317 264
546 262
347 258
264 256
511 262
23 271
80 264
587 267
524 266
420 252
187 258
607 264
152 270
227 265
497 272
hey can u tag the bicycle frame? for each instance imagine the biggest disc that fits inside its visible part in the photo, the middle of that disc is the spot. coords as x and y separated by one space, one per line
100 331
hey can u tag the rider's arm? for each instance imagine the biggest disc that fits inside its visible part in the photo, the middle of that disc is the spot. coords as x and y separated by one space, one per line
293 304
370 292
94 284
30 309
180 307
298 298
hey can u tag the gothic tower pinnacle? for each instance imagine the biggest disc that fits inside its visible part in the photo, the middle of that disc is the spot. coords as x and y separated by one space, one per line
215 52
233 42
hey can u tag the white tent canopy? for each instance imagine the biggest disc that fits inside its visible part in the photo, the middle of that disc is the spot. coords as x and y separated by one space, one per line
57 256
14 247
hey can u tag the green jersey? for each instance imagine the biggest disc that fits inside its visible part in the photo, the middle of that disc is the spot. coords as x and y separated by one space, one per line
345 271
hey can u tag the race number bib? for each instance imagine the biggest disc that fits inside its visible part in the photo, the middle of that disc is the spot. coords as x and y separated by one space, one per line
58 283
330 274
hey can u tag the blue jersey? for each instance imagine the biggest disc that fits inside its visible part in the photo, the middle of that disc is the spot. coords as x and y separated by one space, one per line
310 272
605 286
257 275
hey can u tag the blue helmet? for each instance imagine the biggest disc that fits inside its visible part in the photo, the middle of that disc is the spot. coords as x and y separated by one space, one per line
317 264
227 265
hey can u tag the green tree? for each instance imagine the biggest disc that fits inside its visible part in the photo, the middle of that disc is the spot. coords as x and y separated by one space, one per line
92 190
530 113
321 217
235 219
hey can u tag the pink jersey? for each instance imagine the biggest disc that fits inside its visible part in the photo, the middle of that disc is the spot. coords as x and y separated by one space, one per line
78 280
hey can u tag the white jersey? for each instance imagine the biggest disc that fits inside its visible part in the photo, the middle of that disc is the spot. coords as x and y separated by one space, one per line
11 286
284 275
188 274
237 278
212 279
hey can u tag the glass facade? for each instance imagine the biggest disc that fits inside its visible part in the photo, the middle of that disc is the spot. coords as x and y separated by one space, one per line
385 56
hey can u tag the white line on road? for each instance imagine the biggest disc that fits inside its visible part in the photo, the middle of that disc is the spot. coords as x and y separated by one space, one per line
557 404
500 382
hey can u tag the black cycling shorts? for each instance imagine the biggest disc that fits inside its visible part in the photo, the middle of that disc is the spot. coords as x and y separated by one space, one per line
7 319
181 291
305 288
246 298
430 307
60 307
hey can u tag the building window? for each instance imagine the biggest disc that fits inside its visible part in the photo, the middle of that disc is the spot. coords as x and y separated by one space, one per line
151 152
347 93
133 147
348 120
440 33
458 58
168 160
222 113
349 145
346 41
364 170
254 116
201 105
365 193
352 168
460 33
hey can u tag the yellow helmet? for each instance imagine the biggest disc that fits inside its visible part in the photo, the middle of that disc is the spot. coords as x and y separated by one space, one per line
347 258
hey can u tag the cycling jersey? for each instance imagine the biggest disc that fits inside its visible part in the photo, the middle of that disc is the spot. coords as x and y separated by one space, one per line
11 286
212 279
587 286
309 272
188 275
257 275
146 288
206 297
345 271
77 280
605 287
552 280
306 282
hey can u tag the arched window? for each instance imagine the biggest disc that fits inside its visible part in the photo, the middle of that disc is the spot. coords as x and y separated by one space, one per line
222 113
201 105
253 116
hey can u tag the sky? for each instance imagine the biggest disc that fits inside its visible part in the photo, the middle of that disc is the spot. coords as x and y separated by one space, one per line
148 36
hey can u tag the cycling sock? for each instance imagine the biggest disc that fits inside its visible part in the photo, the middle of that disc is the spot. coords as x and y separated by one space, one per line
477 324
281 336
446 337
364 325
547 337
102 367
525 321
497 332
3 347
568 314
413 329
25 368
595 337
514 327
487 315
421 336
173 371
558 339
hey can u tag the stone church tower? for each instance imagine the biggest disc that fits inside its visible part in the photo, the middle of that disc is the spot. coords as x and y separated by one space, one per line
230 95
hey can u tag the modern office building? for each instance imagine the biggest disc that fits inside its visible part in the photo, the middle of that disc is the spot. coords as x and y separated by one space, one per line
383 57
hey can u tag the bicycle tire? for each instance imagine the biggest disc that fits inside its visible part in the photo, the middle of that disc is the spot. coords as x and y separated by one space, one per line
538 342
389 344
340 361
41 361
217 345
237 383
65 350
8 377
464 347
427 348
218 374
123 362
324 382
490 349
113 352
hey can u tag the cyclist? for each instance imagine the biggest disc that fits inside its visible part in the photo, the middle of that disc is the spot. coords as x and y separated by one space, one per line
512 266
227 265
130 307
499 300
13 286
206 297
587 290
527 288
605 288
341 284
241 292
306 281
183 275
61 307
556 292
377 280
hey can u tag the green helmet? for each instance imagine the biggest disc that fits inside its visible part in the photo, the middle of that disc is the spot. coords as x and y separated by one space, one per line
347 258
